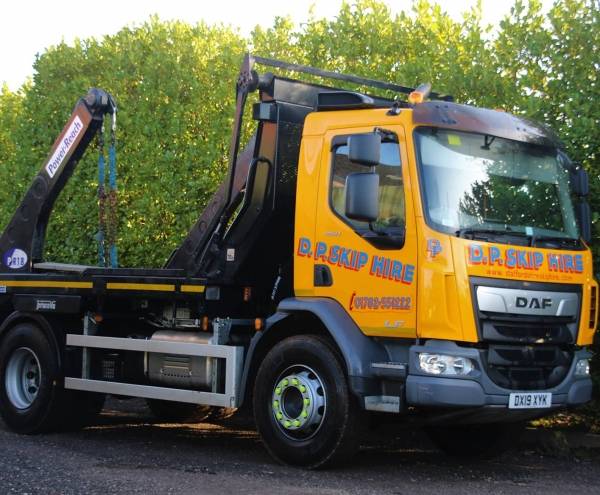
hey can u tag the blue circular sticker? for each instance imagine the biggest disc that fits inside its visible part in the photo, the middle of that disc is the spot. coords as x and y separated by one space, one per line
15 258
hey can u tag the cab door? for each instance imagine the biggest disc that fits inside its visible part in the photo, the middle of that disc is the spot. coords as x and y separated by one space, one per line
370 269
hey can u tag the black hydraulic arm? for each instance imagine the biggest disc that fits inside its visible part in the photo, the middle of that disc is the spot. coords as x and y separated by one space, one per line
326 74
22 242
209 229
204 241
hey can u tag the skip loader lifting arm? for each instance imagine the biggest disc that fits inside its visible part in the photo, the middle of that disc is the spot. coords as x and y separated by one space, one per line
27 228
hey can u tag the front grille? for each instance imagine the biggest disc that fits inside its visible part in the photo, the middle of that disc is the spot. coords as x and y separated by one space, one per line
525 332
525 351
527 367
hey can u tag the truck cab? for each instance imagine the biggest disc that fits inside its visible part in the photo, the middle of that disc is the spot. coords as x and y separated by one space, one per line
472 272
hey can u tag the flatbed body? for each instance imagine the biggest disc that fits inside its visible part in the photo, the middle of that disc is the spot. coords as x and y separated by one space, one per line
48 278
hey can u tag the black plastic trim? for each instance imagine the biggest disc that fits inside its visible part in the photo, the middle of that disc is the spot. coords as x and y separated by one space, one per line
323 276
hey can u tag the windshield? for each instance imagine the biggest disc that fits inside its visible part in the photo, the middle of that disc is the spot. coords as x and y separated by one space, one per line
476 181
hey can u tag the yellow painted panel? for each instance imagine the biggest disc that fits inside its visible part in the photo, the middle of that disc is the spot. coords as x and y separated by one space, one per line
441 302
311 152
377 287
439 313
131 286
59 284
192 288
587 331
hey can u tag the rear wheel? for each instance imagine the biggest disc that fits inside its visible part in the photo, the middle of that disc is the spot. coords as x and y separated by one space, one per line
30 398
476 441
303 408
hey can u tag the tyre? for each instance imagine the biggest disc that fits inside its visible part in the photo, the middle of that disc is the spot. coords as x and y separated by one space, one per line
303 408
31 399
178 412
483 441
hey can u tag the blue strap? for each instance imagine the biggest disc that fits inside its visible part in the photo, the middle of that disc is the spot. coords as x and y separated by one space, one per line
101 199
101 173
112 168
114 262
112 184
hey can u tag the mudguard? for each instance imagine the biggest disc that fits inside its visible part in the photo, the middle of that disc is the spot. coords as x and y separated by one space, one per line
357 350
23 317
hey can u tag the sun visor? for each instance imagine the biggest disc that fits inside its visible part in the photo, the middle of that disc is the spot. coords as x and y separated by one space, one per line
484 121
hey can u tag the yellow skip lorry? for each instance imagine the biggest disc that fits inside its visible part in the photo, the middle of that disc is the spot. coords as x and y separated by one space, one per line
407 258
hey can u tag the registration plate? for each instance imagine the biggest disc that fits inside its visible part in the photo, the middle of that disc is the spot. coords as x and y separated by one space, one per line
530 400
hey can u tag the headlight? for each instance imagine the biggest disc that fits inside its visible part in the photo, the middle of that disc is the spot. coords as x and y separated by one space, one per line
442 364
582 368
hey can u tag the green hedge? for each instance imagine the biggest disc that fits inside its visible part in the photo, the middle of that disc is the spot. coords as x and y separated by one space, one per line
174 86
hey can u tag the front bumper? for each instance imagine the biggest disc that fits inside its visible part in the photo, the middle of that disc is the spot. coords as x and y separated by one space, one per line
477 389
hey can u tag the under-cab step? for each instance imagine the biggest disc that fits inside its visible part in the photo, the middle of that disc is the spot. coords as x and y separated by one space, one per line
231 355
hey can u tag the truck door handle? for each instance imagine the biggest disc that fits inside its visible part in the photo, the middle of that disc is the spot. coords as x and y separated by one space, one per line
323 277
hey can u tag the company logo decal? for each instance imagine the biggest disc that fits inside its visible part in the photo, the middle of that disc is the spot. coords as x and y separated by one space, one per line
533 303
47 305
352 259
434 247
15 258
525 260
64 146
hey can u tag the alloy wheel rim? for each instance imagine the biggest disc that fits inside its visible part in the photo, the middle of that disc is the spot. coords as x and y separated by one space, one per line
298 402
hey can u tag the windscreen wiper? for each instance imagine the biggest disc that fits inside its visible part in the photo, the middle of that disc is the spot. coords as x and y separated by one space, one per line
550 238
475 231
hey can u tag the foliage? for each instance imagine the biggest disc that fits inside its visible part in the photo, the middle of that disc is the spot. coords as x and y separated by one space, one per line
174 86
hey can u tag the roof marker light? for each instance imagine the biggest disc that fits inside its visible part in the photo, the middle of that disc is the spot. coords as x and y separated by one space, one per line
419 94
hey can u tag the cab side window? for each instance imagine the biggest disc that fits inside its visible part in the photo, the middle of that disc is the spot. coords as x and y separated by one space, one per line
391 188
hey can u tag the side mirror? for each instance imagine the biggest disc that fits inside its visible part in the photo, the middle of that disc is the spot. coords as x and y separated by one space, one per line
362 197
580 183
584 218
365 149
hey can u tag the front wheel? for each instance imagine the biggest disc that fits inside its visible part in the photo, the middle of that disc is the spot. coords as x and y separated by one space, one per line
303 408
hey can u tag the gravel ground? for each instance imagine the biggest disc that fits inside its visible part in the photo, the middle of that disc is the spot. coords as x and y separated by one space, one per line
129 453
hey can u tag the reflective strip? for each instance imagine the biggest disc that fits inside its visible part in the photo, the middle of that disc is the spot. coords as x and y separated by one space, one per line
128 286
47 283
192 288
110 285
